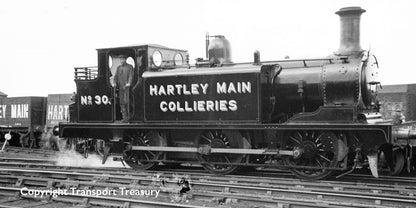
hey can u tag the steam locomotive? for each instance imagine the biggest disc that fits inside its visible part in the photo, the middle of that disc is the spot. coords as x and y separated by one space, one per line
311 116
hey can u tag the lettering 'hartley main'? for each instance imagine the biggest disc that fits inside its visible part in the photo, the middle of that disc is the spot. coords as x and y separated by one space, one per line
199 89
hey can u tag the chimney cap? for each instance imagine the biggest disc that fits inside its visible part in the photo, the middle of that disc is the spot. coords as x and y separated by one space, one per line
350 10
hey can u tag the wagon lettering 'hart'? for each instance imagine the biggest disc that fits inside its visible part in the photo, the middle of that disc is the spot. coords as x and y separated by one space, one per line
58 112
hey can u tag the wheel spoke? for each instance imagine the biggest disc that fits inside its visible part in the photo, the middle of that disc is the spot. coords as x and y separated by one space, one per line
319 163
299 136
153 154
223 137
227 159
294 139
147 157
206 138
323 157
313 135
213 135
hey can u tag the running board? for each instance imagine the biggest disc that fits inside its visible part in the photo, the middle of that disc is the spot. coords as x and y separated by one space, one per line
208 150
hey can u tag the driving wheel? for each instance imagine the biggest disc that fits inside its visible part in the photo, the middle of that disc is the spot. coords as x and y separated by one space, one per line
318 151
222 139
144 159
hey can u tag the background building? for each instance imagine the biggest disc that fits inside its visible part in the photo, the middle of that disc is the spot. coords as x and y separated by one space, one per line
398 97
2 94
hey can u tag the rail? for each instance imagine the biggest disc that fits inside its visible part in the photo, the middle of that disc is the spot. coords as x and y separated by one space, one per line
86 73
251 190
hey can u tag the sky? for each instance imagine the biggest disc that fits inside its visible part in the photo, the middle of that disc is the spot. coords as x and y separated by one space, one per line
42 41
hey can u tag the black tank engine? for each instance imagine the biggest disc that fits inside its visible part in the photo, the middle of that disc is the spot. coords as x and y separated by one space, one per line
313 116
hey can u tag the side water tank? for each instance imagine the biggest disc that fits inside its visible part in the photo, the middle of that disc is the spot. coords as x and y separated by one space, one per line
219 50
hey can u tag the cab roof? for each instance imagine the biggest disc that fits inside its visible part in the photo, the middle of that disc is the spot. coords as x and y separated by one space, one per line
141 46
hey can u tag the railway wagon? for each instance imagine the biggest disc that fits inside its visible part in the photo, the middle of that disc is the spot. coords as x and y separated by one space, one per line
397 105
26 118
57 109
21 115
312 116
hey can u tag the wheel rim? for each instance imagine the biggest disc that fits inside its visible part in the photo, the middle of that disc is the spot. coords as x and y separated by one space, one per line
137 159
319 150
221 139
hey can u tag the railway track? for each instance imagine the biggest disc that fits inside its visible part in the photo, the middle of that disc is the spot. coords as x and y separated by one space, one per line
9 199
233 189
27 152
252 189
364 180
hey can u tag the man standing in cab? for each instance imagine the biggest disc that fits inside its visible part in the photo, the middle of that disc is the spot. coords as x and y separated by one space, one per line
123 80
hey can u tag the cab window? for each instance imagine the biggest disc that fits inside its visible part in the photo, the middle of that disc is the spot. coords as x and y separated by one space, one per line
114 61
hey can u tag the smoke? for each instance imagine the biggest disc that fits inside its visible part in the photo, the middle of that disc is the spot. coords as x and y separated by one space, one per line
66 155
69 157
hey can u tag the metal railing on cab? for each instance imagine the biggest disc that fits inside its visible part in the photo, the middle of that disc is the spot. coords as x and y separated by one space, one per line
86 73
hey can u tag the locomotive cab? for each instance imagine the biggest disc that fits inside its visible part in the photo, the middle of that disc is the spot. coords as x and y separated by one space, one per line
98 95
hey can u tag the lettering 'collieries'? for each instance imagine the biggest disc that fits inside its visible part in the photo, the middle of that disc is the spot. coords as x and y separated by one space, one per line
199 89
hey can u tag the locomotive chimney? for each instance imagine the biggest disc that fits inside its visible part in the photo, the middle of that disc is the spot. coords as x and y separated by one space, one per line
350 30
